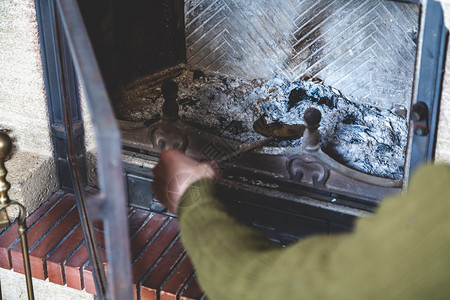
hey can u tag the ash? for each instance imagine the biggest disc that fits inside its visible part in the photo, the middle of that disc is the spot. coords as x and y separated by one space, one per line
359 136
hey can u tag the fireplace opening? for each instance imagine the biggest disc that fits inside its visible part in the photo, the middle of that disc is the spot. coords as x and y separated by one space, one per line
354 60
235 62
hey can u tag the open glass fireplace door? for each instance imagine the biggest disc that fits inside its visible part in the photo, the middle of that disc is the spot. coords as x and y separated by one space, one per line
66 51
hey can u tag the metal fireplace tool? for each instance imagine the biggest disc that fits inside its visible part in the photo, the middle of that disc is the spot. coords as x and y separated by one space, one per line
66 49
5 202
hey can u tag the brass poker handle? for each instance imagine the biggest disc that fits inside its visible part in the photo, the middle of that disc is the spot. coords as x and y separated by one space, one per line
5 150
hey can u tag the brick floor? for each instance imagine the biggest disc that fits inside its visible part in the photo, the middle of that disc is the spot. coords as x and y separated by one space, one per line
160 266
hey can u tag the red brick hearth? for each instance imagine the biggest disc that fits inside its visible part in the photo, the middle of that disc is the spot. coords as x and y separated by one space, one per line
160 264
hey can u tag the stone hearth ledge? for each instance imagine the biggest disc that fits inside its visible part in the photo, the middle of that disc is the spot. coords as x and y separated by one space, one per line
32 178
14 288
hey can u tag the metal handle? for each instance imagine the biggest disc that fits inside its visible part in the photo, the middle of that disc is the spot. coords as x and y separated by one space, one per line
244 149
5 150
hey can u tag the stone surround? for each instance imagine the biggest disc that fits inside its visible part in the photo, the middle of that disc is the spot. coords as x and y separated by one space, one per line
23 110
23 107
443 140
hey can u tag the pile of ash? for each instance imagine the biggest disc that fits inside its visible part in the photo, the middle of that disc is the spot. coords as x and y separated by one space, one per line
359 136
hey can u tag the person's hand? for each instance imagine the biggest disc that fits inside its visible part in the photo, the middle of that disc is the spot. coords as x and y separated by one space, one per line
174 173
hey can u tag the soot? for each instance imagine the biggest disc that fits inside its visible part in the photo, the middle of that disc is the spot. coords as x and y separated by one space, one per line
299 94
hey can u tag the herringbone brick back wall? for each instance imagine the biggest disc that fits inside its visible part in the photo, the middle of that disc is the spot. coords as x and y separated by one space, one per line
364 48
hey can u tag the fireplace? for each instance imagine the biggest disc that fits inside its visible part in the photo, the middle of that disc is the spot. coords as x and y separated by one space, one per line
372 69
234 64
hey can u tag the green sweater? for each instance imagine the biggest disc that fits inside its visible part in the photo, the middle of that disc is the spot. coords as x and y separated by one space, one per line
403 252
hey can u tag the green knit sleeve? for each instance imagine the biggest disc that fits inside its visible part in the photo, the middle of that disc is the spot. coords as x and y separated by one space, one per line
400 253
